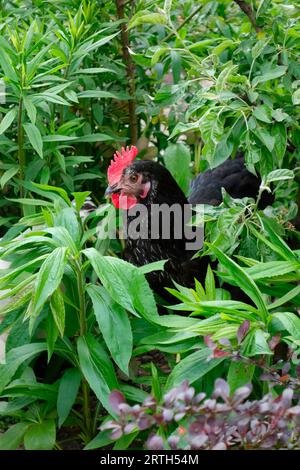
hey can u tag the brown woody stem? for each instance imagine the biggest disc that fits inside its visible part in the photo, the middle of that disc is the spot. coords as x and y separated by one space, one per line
247 9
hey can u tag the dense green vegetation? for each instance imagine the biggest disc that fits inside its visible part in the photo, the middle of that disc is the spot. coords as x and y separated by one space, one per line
190 83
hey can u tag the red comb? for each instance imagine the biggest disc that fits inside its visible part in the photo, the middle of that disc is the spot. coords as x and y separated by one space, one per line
119 162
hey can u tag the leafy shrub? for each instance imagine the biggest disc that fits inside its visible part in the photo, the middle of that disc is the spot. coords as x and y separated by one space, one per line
198 84
190 421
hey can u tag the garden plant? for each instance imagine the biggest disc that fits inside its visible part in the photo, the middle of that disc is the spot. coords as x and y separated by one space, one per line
93 357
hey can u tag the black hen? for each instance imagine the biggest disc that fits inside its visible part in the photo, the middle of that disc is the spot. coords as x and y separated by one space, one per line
147 184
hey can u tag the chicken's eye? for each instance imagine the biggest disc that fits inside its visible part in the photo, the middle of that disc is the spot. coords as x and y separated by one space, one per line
133 178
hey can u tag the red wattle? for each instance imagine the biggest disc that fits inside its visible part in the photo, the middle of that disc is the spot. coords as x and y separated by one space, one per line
123 202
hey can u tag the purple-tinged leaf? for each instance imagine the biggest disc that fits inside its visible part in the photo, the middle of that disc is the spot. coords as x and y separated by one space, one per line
129 428
274 341
286 368
221 390
268 377
209 342
179 416
116 434
116 398
295 410
242 393
144 422
286 398
218 353
167 415
243 330
155 443
173 442
198 441
225 342
219 446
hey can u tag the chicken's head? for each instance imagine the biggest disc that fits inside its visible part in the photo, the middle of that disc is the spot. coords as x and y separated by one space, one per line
126 185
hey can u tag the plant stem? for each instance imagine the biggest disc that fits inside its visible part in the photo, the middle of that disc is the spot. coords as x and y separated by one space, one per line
130 73
83 329
21 151
188 18
247 9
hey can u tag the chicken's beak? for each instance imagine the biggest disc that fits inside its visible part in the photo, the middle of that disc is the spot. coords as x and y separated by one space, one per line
111 190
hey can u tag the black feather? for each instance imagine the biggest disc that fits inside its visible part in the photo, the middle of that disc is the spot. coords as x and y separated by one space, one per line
205 189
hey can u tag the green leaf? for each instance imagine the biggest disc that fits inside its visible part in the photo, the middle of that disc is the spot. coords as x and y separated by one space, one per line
99 43
265 137
263 113
285 298
125 283
51 97
62 237
103 94
80 199
97 369
67 393
112 318
57 306
229 70
124 442
45 392
134 394
13 437
94 138
244 281
34 137
272 269
10 408
227 43
296 97
210 286
255 343
47 191
67 218
279 175
6 64
279 132
279 243
263 5
177 159
102 439
15 357
8 175
7 120
72 96
40 436
168 8
258 47
276 72
182 128
49 278
147 17
155 266
279 115
286 321
94 70
157 54
51 335
239 374
156 390
31 202
30 108
192 368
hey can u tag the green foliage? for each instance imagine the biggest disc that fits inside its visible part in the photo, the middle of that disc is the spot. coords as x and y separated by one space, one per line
79 319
